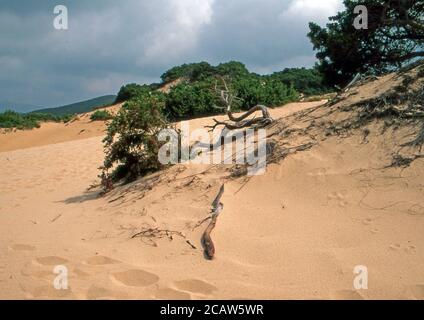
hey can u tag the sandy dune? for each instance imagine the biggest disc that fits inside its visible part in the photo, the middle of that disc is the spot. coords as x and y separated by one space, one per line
79 128
297 231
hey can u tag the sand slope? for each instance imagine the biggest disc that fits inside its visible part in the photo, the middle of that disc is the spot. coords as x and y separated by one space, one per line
81 127
296 232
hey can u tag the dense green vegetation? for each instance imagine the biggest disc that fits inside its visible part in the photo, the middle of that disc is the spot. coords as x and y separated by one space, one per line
196 96
203 70
130 91
12 119
101 115
80 107
394 36
131 144
187 100
306 81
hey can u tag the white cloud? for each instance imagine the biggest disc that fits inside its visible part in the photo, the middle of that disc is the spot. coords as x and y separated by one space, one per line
179 29
110 82
317 9
111 43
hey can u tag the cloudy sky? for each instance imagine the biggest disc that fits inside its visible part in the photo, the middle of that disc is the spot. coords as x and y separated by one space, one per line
110 43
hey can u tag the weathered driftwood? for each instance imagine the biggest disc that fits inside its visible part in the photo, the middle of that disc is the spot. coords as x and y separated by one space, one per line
239 122
217 207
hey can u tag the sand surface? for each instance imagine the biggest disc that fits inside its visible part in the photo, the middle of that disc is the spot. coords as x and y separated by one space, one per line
296 232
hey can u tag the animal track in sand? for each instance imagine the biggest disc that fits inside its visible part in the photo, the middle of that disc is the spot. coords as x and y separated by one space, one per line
320 174
410 249
135 278
51 260
171 294
101 260
395 247
339 197
347 295
195 286
416 210
22 247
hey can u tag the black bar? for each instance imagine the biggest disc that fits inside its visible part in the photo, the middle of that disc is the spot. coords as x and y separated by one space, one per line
210 309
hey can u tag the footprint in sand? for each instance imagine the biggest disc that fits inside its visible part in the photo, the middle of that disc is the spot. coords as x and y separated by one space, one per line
22 247
101 260
49 292
195 286
410 249
347 295
51 260
171 294
418 291
99 293
135 278
80 273
29 270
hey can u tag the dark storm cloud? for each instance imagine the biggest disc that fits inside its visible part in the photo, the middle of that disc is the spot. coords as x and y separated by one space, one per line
110 43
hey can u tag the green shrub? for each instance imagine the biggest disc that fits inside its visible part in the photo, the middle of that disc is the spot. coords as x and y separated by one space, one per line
68 117
101 115
307 81
232 69
131 144
130 91
256 90
23 121
190 100
192 71
197 96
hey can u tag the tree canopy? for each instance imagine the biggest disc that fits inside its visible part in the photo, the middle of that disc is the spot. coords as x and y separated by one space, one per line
195 95
394 36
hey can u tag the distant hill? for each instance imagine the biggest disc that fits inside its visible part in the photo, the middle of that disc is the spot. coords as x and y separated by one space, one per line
80 107
18 107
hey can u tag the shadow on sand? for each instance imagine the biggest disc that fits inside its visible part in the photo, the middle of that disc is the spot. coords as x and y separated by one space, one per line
87 196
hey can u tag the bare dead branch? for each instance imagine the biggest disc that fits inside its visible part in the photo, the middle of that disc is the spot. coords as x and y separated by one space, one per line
217 207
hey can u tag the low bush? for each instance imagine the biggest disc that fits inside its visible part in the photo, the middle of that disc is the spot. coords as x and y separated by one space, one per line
23 121
101 115
131 143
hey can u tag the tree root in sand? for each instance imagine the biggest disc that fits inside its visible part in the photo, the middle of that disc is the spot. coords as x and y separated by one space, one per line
207 242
